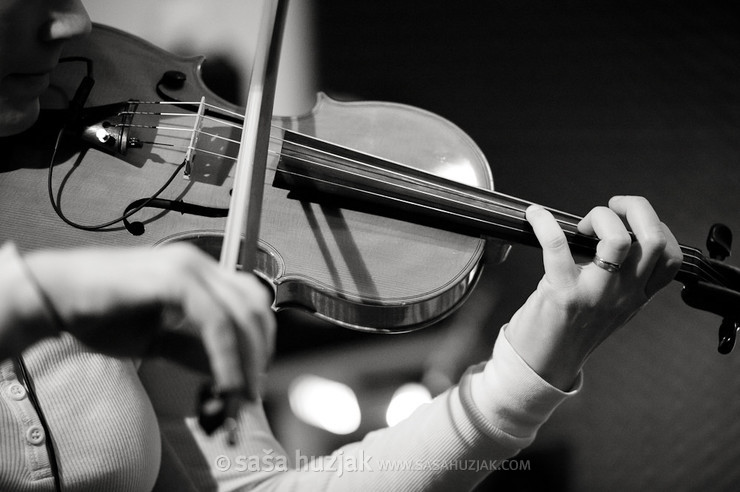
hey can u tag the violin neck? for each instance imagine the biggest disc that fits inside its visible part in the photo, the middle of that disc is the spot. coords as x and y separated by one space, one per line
320 171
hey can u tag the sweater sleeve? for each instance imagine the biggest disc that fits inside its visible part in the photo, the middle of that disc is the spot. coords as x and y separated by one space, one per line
449 444
24 317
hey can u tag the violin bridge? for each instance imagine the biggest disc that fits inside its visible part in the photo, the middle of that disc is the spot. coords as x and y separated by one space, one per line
197 126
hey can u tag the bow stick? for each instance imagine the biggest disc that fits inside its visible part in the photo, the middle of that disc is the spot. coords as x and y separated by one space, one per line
220 408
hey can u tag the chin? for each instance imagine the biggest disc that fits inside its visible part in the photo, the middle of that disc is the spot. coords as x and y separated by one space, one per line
18 118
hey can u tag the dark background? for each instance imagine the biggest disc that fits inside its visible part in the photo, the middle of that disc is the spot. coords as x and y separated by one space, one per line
573 102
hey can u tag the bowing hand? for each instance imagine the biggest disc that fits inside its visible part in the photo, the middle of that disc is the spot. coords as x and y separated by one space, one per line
172 301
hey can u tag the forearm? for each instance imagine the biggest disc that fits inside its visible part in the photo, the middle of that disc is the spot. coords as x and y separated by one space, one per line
449 444
24 317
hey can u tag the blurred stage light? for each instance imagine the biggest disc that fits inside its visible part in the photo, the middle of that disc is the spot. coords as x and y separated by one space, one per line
325 404
405 400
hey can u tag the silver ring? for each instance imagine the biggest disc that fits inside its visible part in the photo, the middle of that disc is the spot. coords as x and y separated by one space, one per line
606 265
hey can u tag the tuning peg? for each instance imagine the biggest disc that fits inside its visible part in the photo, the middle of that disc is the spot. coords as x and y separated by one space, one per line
719 242
719 245
727 335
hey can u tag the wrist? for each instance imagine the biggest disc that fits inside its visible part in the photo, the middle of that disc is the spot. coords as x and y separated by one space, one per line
546 337
507 394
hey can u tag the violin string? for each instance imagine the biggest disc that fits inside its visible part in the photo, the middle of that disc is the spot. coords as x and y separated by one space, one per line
401 200
368 167
689 253
215 136
232 113
158 113
238 115
234 125
406 177
485 207
221 109
218 120
517 218
473 195
522 202
703 267
378 180
693 258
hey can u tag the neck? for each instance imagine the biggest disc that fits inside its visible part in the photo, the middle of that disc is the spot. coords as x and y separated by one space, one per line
318 170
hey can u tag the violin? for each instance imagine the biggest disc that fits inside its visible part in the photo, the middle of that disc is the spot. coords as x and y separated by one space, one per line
375 215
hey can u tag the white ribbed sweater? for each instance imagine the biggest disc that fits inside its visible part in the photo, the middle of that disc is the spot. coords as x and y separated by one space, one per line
111 432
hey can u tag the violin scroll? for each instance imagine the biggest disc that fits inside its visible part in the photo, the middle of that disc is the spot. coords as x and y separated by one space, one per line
719 242
719 290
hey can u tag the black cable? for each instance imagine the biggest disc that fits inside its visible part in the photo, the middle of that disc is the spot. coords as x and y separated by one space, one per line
57 208
75 108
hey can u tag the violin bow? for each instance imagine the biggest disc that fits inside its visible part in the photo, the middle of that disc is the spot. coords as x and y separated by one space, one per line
249 178
219 408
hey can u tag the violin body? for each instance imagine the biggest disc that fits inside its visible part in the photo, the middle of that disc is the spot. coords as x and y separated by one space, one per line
348 265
